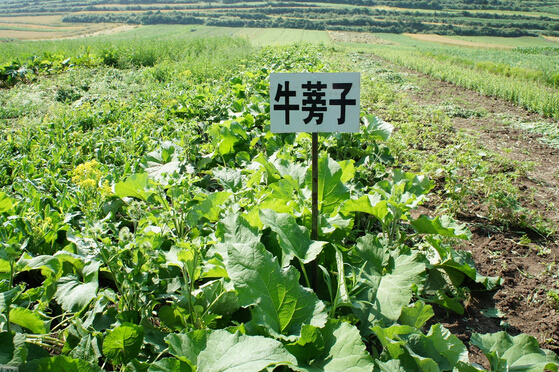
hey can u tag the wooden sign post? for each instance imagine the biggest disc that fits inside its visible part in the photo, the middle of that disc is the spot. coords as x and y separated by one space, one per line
314 103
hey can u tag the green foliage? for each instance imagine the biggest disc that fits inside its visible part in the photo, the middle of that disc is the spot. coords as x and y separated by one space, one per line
518 353
169 230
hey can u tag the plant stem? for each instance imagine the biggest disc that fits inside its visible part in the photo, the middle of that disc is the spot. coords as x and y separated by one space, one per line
305 273
160 355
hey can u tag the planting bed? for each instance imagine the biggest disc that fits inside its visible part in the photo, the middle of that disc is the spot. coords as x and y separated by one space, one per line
527 265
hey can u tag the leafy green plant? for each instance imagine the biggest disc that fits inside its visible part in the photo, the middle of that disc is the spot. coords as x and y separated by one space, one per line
170 230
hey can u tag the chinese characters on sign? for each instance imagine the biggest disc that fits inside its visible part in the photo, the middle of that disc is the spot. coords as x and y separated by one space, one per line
314 102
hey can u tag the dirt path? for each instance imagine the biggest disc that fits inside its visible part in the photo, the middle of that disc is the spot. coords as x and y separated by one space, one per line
529 267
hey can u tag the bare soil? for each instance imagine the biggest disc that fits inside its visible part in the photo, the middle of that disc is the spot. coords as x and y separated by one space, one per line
529 269
450 41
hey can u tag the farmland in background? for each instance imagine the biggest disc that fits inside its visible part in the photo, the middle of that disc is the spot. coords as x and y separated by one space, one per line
500 18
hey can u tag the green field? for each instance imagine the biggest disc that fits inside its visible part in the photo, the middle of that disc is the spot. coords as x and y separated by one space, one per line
510 42
151 221
267 36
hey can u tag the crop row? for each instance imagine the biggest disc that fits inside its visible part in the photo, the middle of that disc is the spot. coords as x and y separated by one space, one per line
487 78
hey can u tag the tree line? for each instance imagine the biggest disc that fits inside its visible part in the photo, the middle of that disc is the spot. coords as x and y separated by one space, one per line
322 19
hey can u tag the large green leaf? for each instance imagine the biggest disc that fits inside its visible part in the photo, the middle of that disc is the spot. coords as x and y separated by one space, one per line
295 240
7 297
271 173
372 204
230 179
439 350
88 349
457 264
123 343
219 297
336 347
225 136
520 353
416 315
43 262
331 190
59 363
234 228
187 347
162 161
26 318
73 293
209 207
170 365
442 226
281 304
387 281
377 128
221 351
136 186
5 202
8 348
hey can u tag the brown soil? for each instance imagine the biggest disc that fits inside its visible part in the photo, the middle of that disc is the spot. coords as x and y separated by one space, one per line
450 41
356 37
529 269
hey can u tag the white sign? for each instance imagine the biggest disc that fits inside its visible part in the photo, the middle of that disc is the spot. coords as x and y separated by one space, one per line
314 102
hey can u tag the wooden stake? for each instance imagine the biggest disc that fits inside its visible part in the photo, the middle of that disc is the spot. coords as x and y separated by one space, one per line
314 224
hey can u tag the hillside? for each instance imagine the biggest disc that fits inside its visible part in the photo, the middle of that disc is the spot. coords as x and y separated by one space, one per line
468 18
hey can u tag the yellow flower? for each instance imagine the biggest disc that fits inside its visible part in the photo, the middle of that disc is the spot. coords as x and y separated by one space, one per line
87 175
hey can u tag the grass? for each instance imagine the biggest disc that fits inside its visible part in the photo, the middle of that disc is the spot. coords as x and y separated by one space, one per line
271 36
150 35
425 142
524 41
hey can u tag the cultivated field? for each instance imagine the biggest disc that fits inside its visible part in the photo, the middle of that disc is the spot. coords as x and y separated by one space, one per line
149 220
47 27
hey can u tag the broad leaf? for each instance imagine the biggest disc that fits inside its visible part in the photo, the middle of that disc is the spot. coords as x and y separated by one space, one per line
8 348
331 191
209 207
170 365
458 263
388 279
281 304
163 161
26 318
221 351
438 350
372 204
123 343
393 365
229 178
235 229
520 353
7 297
219 297
5 202
187 347
294 240
338 347
416 315
73 294
377 128
45 262
135 186
442 226
88 349
59 363
440 345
